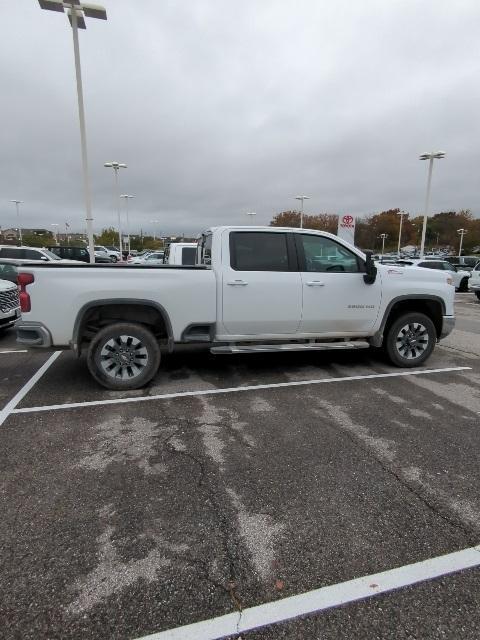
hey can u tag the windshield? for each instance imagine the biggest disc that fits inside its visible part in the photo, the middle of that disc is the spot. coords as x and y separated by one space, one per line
50 254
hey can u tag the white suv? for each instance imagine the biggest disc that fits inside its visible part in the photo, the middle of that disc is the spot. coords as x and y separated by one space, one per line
459 277
474 283
31 254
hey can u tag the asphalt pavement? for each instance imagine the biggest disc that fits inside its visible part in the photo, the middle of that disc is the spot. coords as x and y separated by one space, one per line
139 513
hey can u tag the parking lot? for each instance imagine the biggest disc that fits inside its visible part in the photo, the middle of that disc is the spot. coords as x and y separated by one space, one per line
232 484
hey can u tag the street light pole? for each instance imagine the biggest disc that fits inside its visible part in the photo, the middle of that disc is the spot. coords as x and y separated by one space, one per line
55 231
383 236
116 166
126 197
155 222
251 214
401 214
302 198
428 156
75 11
17 206
461 232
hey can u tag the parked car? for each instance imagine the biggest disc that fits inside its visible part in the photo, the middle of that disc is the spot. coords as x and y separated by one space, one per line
111 253
181 253
459 276
8 271
29 253
155 257
79 253
9 304
474 283
252 290
463 262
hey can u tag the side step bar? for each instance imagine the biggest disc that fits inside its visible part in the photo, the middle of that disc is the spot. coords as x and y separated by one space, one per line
311 346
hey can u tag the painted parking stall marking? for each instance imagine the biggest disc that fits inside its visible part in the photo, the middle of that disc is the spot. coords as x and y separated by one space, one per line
325 598
257 387
14 351
18 397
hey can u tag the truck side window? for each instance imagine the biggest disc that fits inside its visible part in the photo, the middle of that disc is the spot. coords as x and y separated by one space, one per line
325 255
258 251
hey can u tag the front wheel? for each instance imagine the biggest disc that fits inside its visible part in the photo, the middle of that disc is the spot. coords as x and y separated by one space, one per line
477 293
463 285
114 258
123 356
410 340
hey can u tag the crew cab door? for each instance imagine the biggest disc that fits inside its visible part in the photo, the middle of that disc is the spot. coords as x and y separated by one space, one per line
261 286
335 298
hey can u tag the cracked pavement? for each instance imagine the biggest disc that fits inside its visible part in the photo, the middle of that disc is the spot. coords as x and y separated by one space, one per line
123 520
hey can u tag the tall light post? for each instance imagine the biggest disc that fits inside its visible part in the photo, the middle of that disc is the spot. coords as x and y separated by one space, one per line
302 198
126 197
55 231
77 11
155 222
461 233
116 166
383 236
428 156
19 226
251 214
401 214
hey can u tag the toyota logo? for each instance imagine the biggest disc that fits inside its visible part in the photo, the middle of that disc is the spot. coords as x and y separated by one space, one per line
347 220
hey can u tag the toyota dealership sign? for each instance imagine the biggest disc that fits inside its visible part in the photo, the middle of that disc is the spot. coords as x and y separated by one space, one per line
346 228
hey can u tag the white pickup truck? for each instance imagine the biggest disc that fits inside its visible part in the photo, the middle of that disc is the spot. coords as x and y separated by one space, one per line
253 289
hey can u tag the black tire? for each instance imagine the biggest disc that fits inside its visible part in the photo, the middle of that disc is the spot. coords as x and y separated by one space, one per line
410 340
463 285
114 258
477 293
123 356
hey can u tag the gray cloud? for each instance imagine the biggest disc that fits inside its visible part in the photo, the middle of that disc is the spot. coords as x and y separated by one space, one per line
219 108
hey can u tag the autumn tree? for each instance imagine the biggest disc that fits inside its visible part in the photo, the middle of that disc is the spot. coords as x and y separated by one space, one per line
319 221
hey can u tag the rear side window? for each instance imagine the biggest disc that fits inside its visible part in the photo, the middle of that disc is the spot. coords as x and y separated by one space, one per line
430 265
13 253
258 251
188 255
31 254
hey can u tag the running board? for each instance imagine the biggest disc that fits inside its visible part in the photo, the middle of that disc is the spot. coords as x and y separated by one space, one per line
311 346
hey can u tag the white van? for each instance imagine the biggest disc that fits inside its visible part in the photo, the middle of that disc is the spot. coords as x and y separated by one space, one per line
181 253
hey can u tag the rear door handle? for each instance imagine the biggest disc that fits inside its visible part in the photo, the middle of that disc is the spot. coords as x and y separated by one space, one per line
315 283
237 283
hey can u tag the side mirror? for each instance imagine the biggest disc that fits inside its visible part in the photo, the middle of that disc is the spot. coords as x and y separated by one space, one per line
370 274
44 258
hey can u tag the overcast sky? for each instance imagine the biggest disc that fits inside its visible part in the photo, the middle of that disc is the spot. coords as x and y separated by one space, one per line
221 107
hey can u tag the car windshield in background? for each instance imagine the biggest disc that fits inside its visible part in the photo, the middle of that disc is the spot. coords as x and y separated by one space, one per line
50 254
8 272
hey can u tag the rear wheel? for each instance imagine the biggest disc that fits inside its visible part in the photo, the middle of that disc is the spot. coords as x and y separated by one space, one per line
114 258
410 340
477 293
124 355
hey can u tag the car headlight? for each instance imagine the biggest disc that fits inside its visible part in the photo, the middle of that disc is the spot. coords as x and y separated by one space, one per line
449 280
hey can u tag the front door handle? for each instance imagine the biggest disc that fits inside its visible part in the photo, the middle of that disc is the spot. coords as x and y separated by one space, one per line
237 283
315 283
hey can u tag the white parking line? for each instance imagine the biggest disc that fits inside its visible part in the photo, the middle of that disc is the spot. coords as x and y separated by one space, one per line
257 387
324 598
14 351
10 406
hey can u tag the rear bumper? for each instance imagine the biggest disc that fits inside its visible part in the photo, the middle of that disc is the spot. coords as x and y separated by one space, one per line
448 323
33 334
